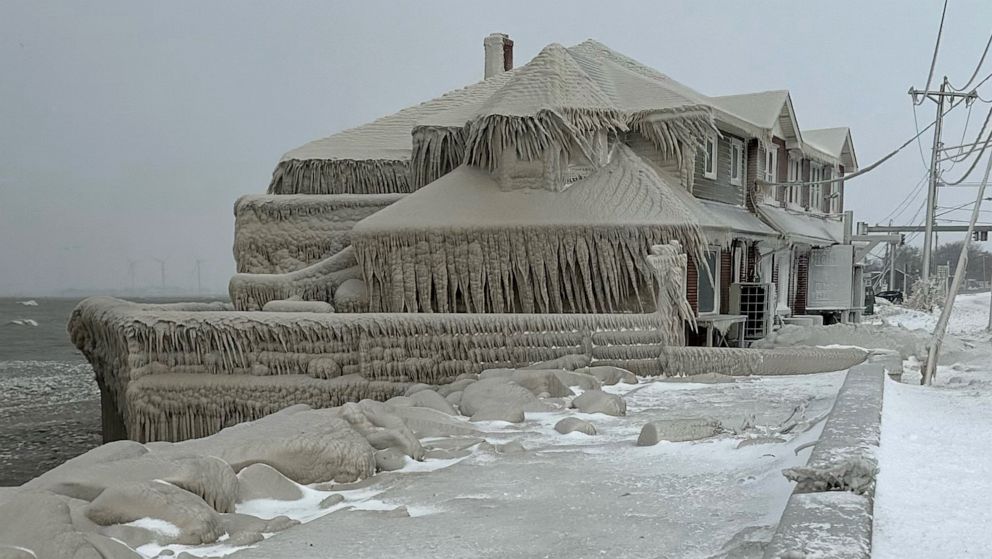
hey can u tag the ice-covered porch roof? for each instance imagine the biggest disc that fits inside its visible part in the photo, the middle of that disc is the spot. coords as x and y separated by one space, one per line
627 191
803 227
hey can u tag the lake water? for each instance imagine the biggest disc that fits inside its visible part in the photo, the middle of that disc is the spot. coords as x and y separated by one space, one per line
49 400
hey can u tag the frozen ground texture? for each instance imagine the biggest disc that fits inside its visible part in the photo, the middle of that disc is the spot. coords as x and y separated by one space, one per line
579 496
934 491
482 489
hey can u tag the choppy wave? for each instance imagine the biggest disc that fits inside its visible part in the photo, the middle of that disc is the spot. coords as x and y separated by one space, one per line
26 384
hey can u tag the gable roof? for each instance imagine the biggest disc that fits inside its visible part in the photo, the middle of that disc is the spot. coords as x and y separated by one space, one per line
586 86
835 142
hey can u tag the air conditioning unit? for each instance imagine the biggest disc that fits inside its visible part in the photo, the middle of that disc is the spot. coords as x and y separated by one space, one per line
756 301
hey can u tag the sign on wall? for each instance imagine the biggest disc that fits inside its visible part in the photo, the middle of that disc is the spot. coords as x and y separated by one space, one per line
830 278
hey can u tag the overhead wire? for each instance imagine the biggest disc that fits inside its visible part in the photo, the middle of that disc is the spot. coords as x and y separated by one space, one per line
936 49
977 68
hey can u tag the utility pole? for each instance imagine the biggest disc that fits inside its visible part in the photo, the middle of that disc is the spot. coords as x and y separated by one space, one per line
945 313
937 97
934 176
892 264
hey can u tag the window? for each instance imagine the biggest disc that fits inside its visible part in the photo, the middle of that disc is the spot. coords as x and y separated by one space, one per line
709 157
771 164
736 162
795 166
794 194
708 284
815 190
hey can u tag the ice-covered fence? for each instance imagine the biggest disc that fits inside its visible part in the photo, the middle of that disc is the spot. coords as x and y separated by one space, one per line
173 372
279 234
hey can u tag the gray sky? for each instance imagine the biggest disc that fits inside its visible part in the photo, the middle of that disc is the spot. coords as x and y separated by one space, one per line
128 129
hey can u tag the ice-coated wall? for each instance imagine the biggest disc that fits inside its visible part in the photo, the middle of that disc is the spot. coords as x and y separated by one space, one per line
275 234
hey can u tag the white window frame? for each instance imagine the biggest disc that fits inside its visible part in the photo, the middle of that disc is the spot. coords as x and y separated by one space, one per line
736 169
793 195
702 277
771 164
815 190
710 158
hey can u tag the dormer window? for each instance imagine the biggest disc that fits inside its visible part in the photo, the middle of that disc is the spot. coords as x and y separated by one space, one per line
736 162
709 157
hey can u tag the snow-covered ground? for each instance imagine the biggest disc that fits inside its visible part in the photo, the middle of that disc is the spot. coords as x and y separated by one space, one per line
577 496
934 492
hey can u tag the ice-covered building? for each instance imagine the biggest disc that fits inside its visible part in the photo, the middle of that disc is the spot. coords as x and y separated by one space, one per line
535 190
582 207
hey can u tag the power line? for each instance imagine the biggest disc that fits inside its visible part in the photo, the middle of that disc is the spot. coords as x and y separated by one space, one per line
936 49
977 68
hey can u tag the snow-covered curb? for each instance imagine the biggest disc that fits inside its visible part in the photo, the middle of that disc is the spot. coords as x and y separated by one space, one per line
836 488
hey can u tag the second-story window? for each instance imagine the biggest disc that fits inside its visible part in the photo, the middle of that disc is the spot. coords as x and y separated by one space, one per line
794 192
771 164
815 190
736 162
709 157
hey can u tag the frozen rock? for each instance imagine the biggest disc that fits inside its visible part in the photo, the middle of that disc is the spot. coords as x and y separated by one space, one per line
498 392
427 422
568 362
456 386
41 522
261 481
382 430
584 381
610 375
331 500
401 401
308 446
677 430
510 413
86 477
469 376
194 521
417 387
455 398
597 401
295 305
574 424
542 383
389 460
432 400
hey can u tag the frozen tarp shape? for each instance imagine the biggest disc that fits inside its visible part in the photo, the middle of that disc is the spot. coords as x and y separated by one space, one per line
462 243
802 227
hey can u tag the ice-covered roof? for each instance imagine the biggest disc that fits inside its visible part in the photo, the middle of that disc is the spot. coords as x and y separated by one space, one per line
803 227
835 142
626 191
763 108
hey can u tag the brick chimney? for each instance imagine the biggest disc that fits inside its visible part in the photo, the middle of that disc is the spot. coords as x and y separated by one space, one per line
499 53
